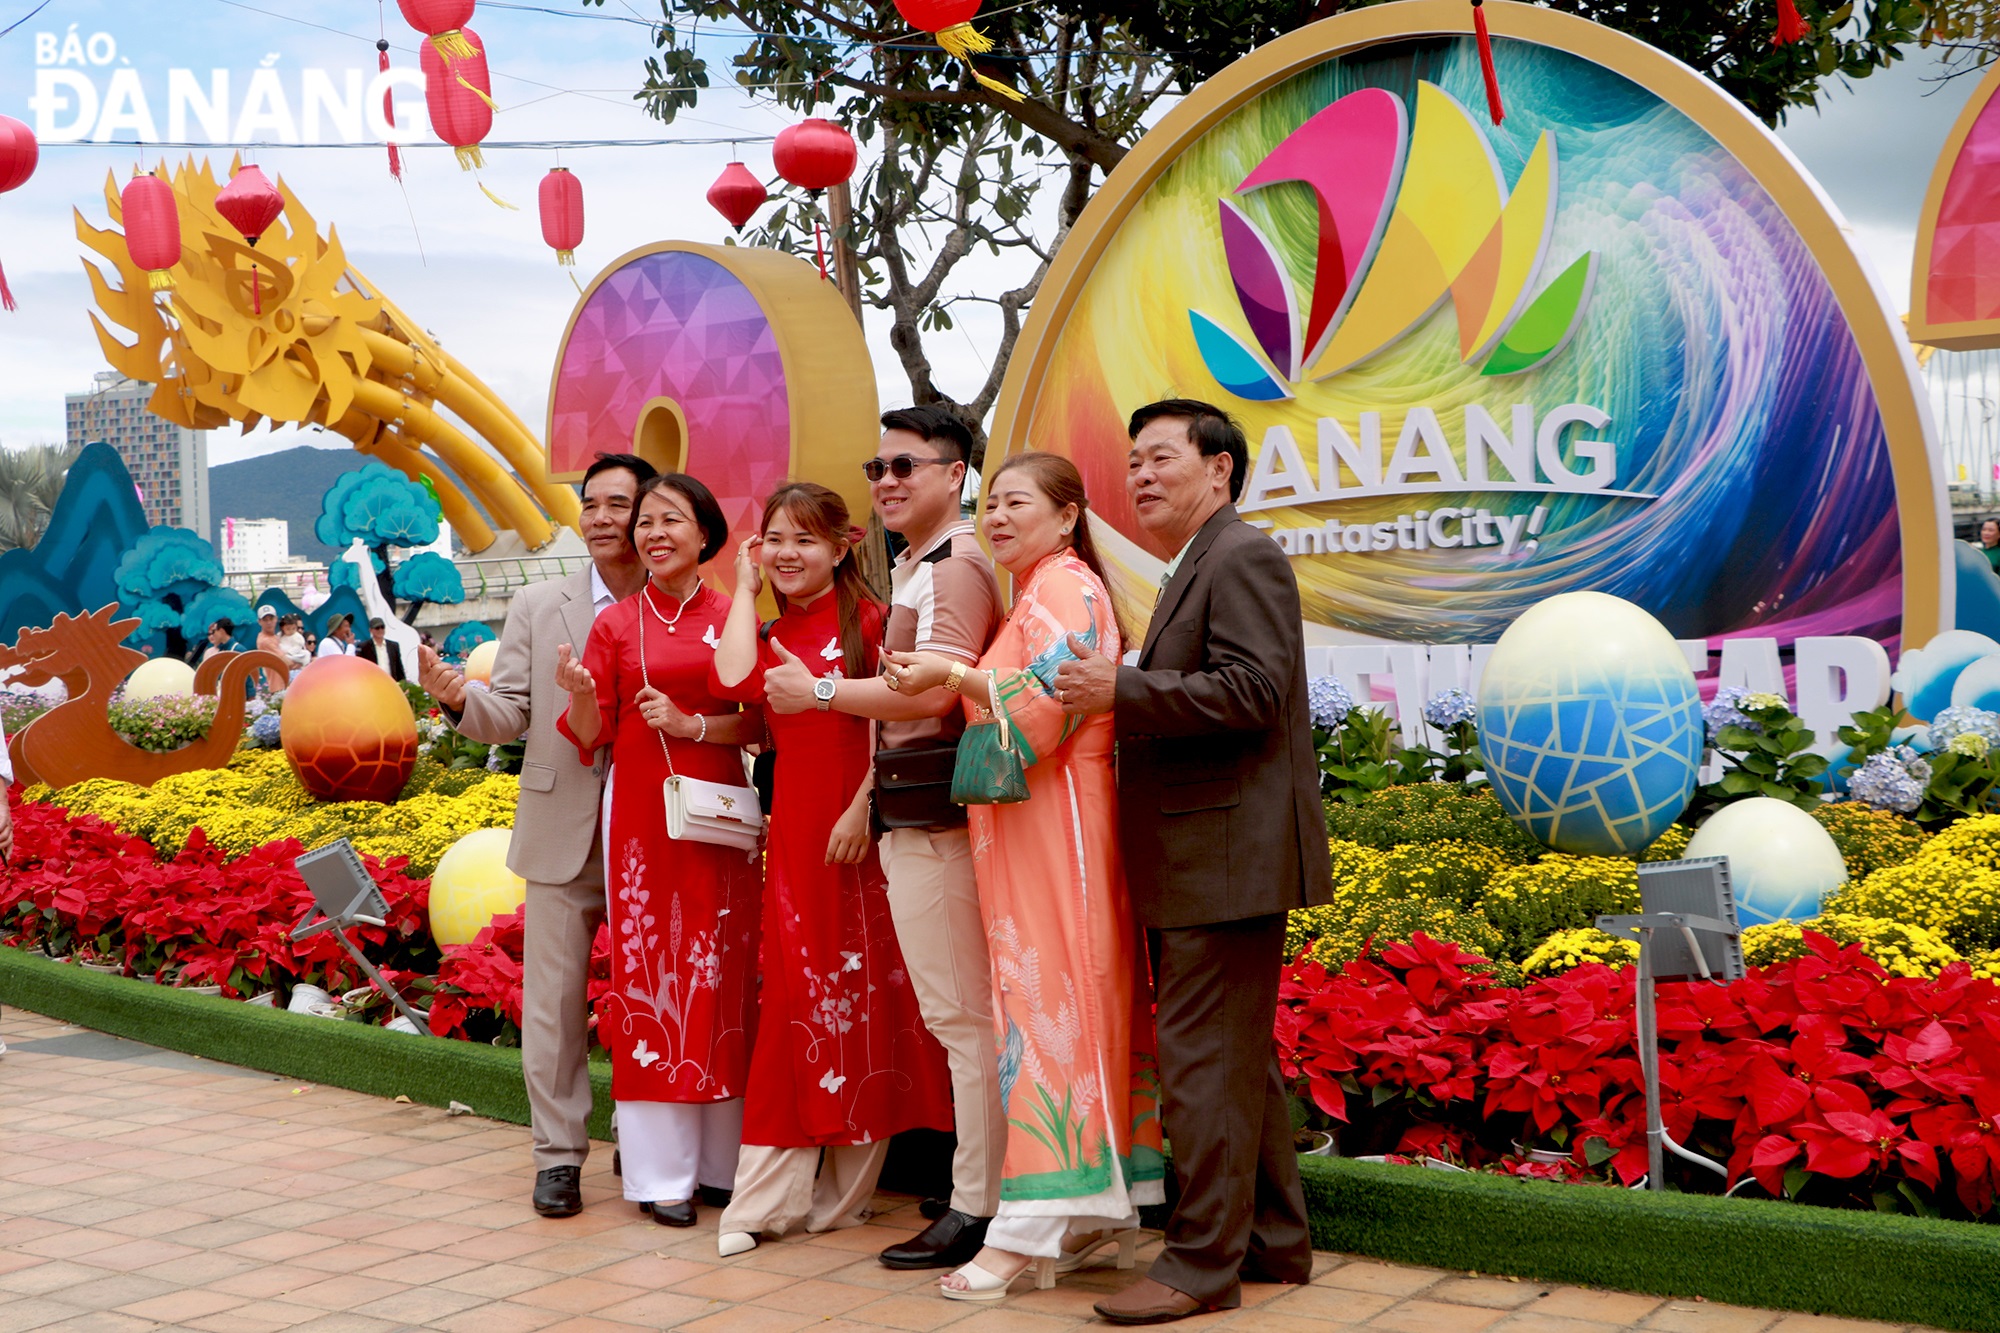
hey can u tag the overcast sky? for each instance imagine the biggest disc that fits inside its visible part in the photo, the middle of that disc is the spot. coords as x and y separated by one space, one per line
480 278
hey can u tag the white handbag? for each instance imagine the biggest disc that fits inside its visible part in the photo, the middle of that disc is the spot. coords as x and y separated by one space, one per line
697 811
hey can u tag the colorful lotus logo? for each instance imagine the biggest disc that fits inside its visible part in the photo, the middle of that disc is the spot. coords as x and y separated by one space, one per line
1422 214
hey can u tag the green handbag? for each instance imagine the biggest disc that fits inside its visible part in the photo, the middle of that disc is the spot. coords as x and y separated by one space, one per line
989 770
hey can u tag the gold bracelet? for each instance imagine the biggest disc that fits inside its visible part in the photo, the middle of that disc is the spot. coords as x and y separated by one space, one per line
956 677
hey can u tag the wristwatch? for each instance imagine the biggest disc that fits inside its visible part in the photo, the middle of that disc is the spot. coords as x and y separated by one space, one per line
823 691
955 678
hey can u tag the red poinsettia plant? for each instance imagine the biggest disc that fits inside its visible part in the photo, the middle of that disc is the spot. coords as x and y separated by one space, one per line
1821 1078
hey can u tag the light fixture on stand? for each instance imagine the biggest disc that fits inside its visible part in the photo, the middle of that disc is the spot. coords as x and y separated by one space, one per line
344 894
1686 928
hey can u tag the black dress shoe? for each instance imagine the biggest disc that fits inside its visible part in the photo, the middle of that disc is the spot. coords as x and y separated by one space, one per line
710 1196
932 1209
674 1214
950 1241
559 1191
617 1163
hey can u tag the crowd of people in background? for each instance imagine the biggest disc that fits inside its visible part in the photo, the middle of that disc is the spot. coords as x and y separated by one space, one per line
1022 879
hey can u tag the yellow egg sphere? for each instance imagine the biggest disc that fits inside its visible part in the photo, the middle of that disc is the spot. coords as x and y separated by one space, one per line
160 677
479 662
472 885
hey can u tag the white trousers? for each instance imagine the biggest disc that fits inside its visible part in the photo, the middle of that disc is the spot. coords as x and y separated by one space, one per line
1042 1236
668 1148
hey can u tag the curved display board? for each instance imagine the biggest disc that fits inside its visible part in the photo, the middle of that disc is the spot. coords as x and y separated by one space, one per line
1955 289
740 366
1618 343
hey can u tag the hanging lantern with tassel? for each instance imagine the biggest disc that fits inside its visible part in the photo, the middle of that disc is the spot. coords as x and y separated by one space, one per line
250 203
815 155
562 213
459 94
737 195
443 21
950 21
389 111
152 227
1486 67
19 154
1791 27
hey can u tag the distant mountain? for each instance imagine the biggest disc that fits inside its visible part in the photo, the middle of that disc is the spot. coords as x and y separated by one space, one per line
287 485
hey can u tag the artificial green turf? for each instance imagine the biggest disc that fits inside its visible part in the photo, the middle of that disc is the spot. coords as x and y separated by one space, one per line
359 1056
1744 1251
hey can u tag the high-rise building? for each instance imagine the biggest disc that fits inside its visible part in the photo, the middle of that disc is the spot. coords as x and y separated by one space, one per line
168 463
255 544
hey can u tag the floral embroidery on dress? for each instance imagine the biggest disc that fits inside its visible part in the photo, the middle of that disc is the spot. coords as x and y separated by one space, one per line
662 988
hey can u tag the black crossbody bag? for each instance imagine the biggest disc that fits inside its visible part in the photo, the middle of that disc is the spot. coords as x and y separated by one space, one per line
913 787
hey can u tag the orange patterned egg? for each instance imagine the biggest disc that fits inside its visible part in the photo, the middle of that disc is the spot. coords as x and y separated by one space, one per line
348 731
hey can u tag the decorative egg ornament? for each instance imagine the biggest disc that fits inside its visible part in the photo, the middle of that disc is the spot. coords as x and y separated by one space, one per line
349 733
159 678
472 885
479 662
1782 862
1590 725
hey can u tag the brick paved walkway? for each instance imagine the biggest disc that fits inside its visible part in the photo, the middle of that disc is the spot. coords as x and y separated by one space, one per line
142 1189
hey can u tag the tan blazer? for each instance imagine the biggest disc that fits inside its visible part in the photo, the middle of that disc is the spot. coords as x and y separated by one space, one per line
556 824
1218 781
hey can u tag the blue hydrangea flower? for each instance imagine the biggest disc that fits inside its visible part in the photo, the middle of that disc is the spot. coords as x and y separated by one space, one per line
1890 782
264 731
1449 708
1328 701
1964 720
1725 711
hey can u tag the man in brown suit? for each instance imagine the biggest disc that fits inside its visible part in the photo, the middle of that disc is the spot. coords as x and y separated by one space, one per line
1220 816
556 827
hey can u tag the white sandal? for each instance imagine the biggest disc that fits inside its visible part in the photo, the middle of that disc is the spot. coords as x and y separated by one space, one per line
1126 1240
983 1285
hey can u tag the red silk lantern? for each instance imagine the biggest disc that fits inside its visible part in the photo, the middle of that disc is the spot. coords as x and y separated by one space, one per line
737 195
815 154
459 94
19 153
950 21
152 227
562 213
251 204
443 21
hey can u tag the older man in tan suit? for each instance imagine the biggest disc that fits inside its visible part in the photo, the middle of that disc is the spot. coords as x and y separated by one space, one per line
556 838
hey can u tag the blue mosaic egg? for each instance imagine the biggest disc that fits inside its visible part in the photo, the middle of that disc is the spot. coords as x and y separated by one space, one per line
1590 725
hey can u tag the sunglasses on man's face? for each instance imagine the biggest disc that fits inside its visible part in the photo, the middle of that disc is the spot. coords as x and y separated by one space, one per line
901 466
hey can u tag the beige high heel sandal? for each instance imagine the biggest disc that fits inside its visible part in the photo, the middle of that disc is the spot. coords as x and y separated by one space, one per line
1128 1250
984 1285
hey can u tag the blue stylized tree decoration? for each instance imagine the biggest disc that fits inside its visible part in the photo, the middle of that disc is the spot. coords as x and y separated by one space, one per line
213 604
467 637
160 580
343 573
428 577
381 507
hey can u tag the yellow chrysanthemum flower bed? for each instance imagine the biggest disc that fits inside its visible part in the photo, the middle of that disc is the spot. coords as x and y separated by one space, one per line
1573 948
1869 839
1902 950
1957 900
1530 904
257 799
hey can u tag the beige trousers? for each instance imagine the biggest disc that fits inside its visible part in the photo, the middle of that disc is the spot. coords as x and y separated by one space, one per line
560 923
934 902
779 1188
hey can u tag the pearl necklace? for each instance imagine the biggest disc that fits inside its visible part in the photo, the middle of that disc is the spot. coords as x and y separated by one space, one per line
648 599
